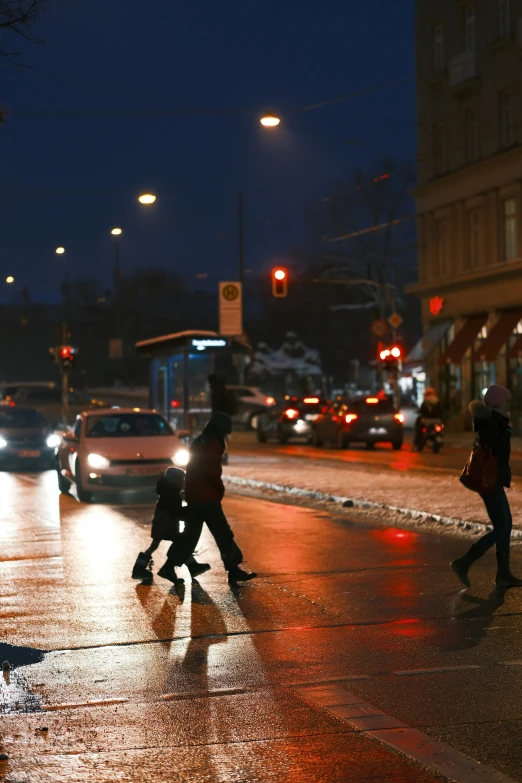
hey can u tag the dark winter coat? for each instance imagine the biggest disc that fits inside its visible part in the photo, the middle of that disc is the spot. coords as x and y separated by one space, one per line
168 511
429 410
203 482
494 432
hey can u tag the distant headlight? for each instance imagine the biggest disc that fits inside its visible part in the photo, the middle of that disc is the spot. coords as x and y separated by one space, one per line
97 461
53 441
181 458
3 442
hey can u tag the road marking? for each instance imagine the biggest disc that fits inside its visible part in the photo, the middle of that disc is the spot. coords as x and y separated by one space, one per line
373 722
75 705
407 672
209 694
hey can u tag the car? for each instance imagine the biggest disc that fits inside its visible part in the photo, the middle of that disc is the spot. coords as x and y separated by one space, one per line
369 420
291 422
46 397
27 439
251 401
115 449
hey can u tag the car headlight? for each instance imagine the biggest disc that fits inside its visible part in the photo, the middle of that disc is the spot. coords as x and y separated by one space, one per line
53 441
98 462
3 442
181 458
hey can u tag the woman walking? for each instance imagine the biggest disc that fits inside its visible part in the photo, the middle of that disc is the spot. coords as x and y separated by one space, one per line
491 423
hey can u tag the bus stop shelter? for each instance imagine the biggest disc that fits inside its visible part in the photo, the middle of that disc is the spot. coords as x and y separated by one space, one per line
180 364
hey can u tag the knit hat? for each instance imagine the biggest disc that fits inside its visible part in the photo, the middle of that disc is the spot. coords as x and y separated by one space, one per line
175 476
497 396
221 422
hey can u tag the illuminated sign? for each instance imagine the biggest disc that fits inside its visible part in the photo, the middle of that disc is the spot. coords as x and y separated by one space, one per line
436 305
208 343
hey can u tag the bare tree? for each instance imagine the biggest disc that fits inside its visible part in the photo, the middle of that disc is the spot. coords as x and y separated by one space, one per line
17 16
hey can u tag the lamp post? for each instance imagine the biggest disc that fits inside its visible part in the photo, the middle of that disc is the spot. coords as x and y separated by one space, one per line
116 232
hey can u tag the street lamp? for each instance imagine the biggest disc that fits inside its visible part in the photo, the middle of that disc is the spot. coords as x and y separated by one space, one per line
60 251
147 198
116 232
270 120
9 279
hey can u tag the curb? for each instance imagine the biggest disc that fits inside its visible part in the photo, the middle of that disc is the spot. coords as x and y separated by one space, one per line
346 502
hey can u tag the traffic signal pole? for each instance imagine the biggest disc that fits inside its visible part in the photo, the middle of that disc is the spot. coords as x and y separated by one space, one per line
65 383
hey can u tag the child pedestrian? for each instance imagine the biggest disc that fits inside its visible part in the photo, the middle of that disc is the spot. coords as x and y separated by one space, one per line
166 527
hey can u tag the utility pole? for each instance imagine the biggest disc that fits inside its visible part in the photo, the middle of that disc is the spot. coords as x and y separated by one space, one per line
240 237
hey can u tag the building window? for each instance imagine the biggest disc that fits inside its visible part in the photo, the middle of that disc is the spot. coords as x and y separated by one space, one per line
438 48
507 136
510 229
475 245
504 18
441 148
442 247
472 135
469 28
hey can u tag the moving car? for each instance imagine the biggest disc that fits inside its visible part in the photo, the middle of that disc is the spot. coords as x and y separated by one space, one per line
47 398
26 438
369 420
251 401
294 421
116 449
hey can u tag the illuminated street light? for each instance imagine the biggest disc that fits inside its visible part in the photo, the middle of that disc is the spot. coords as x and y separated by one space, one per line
270 120
60 251
147 198
9 279
116 232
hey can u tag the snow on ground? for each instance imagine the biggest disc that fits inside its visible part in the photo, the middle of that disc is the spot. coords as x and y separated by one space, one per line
426 492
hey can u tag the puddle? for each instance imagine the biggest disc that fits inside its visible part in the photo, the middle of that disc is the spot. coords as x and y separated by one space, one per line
15 693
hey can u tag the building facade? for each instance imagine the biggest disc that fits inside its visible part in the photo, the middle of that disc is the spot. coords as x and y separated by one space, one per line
469 195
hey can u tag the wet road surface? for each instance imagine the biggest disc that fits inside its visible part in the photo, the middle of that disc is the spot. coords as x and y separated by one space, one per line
351 649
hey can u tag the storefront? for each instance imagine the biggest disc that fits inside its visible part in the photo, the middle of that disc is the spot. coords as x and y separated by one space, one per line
179 368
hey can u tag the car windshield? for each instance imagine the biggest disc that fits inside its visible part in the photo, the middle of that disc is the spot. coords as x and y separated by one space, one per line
127 425
13 418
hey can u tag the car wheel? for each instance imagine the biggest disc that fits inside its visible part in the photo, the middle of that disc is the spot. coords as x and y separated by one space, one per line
63 485
261 437
84 496
282 439
436 448
342 440
397 445
253 421
316 440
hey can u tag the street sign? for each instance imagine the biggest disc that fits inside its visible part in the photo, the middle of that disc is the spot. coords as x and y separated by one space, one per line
395 320
379 327
230 309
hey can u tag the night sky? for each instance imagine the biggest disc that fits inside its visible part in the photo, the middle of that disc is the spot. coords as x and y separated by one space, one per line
125 96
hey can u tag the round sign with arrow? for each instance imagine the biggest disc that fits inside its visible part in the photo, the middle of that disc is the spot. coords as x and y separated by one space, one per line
379 327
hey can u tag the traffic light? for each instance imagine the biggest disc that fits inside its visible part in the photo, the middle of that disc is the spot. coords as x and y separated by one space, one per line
391 357
279 282
67 357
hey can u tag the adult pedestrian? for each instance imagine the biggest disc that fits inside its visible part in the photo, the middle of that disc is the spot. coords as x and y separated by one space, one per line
491 423
204 491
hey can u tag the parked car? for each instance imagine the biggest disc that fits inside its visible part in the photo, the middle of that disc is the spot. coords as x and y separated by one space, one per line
370 420
251 401
291 422
116 449
27 439
47 398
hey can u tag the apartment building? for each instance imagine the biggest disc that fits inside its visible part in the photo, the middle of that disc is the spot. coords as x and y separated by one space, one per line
469 194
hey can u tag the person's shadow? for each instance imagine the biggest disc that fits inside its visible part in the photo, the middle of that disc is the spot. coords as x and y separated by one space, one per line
207 628
471 624
163 623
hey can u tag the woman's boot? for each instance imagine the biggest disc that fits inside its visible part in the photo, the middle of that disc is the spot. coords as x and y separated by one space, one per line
504 577
462 565
168 571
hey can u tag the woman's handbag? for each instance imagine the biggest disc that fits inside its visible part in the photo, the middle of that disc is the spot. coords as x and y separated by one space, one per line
480 472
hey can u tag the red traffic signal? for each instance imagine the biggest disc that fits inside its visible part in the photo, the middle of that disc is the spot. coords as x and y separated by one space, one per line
279 282
67 356
391 355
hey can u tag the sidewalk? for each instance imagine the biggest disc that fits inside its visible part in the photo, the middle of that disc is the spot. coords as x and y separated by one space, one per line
463 440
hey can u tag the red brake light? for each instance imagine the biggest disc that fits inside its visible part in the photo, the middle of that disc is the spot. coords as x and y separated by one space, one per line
372 400
311 400
269 401
399 417
350 417
291 413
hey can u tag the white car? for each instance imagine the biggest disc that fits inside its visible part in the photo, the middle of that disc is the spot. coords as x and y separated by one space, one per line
117 448
251 402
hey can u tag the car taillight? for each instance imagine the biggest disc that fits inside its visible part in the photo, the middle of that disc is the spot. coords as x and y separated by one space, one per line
439 428
372 401
291 413
311 400
399 417
350 417
269 401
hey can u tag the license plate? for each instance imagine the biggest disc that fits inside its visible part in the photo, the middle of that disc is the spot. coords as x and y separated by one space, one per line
150 470
28 453
311 416
377 430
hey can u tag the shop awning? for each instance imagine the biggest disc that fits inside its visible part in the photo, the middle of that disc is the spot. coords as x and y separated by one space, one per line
516 349
498 336
428 341
454 353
